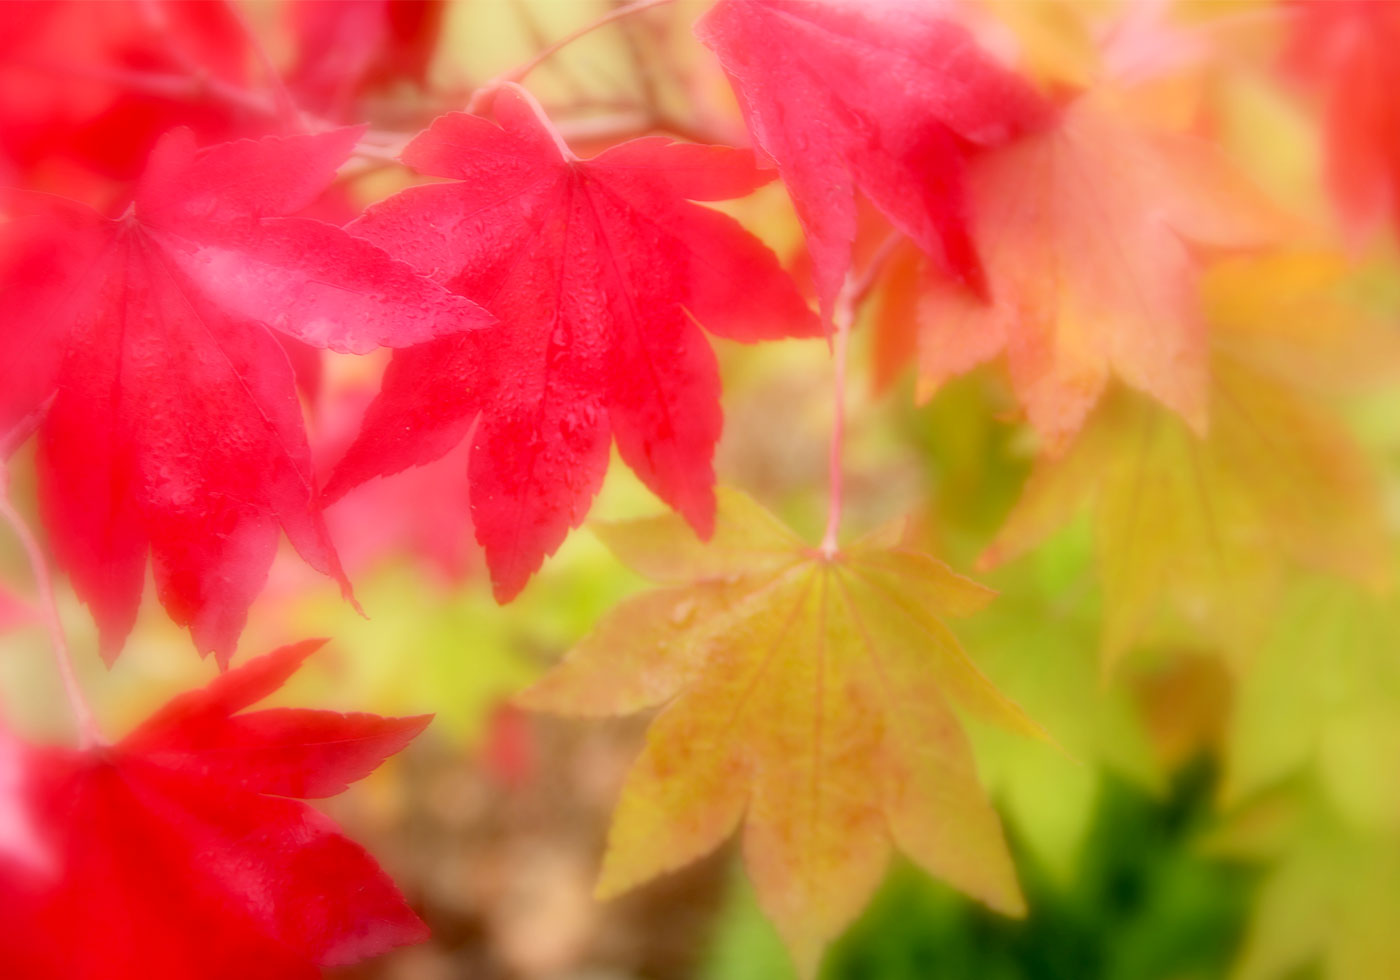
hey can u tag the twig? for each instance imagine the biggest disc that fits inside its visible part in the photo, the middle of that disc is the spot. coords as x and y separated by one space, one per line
287 109
165 85
646 78
480 97
540 41
88 734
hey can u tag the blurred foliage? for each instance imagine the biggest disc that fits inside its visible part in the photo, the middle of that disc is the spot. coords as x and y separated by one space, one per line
1141 904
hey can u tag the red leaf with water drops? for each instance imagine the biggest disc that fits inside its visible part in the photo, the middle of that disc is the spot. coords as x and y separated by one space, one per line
172 423
183 850
884 98
599 270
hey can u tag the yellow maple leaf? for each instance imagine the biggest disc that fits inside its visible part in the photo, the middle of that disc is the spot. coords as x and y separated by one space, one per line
810 699
1087 230
1205 526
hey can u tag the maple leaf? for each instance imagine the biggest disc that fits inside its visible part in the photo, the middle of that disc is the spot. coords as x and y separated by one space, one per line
421 512
596 268
1309 768
1328 908
809 698
895 325
1206 525
1345 50
183 850
1087 230
885 98
172 422
347 46
62 97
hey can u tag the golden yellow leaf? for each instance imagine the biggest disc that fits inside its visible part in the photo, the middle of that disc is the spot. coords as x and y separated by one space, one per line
810 699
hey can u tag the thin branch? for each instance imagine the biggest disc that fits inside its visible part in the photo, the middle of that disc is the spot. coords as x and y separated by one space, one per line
641 70
186 88
282 97
517 74
82 713
537 38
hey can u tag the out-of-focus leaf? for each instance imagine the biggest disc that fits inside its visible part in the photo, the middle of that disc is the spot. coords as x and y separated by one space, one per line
1328 906
1203 527
885 98
1346 51
1324 693
1086 232
184 849
68 124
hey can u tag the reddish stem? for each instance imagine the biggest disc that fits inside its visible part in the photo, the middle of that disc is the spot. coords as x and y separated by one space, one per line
842 317
88 734
848 301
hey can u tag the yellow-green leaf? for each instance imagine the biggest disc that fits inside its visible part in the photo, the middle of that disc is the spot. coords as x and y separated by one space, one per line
810 700
1201 528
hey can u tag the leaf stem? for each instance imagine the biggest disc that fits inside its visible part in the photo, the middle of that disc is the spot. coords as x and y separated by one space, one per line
88 734
842 317
480 96
848 300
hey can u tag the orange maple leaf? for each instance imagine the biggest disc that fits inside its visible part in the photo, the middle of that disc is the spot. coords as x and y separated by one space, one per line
1087 232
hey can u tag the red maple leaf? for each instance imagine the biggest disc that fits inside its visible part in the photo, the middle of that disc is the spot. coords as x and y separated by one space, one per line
421 513
1346 49
183 850
595 268
347 46
172 422
68 108
881 97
